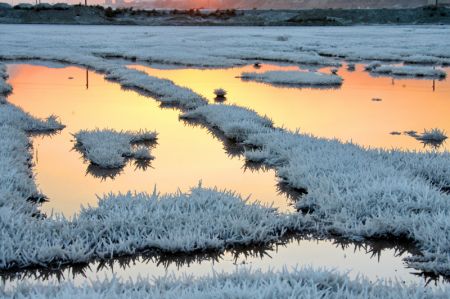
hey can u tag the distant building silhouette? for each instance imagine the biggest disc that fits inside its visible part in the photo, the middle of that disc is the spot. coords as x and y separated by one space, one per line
120 3
437 2
277 4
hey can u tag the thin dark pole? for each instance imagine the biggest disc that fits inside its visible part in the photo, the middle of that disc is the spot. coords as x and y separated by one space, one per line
87 79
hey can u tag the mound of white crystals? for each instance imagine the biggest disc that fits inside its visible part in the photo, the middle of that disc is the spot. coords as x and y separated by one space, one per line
294 78
16 180
234 121
352 191
298 283
15 117
109 148
410 71
165 90
433 135
203 219
5 88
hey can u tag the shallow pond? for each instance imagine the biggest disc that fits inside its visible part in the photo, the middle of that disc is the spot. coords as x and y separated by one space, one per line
184 155
348 113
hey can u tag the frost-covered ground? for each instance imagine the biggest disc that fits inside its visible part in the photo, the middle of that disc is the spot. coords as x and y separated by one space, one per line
352 192
294 78
297 283
434 137
110 149
223 46
5 88
124 224
411 71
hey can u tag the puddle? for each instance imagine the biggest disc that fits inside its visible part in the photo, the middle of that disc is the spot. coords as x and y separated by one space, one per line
348 113
184 156
385 264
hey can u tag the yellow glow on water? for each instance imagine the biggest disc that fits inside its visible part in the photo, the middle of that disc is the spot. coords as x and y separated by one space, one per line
347 113
184 155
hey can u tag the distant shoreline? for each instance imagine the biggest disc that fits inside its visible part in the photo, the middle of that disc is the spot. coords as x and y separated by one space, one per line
97 15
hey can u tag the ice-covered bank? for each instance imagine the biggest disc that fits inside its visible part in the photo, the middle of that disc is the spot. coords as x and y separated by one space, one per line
296 283
17 186
125 224
352 191
167 93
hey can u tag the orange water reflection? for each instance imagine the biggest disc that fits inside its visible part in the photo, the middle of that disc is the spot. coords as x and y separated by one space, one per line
184 155
347 113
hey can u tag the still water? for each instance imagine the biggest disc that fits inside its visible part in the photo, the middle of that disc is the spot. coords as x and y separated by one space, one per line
185 155
347 113
188 154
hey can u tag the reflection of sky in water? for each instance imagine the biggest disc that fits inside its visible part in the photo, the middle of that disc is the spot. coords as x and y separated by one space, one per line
187 154
348 113
365 260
